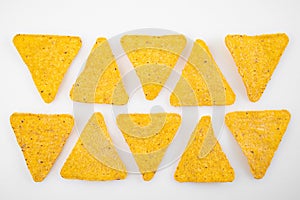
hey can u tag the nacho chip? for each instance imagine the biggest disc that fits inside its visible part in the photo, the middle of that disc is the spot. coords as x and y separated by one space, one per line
211 167
100 81
148 145
153 58
48 58
98 43
258 134
41 138
94 156
256 58
201 83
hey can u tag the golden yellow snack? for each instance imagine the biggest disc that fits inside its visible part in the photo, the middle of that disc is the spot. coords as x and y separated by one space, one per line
41 138
258 133
201 83
256 58
211 166
48 58
148 137
94 156
153 58
100 81
98 43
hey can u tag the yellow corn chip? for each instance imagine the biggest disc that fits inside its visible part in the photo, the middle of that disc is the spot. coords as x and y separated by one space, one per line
153 58
100 81
48 58
147 142
98 43
256 58
212 167
201 83
94 156
41 138
258 134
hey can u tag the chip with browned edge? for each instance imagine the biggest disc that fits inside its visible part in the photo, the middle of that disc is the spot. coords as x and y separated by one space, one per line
153 58
211 166
258 133
41 138
201 83
94 156
256 58
148 137
48 58
100 81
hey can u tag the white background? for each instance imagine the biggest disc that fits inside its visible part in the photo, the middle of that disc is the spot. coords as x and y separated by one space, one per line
208 20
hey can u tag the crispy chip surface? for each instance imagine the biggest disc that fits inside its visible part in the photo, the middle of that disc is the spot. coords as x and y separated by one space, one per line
41 138
212 166
192 88
258 133
148 145
94 156
153 58
48 58
100 81
256 58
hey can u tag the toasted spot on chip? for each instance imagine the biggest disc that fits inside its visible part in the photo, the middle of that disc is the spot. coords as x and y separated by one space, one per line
149 146
100 81
201 83
41 138
48 58
258 133
94 156
213 166
153 58
256 58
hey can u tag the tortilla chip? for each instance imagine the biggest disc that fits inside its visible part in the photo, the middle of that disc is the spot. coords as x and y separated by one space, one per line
48 58
201 83
213 166
256 58
258 134
94 156
98 43
147 142
153 58
41 138
100 81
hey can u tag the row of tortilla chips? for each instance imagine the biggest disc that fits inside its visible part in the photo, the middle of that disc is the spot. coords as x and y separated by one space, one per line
41 138
48 58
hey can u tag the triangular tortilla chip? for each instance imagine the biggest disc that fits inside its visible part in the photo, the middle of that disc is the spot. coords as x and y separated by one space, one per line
41 138
258 134
153 58
201 83
94 156
213 166
148 137
256 58
48 58
100 81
